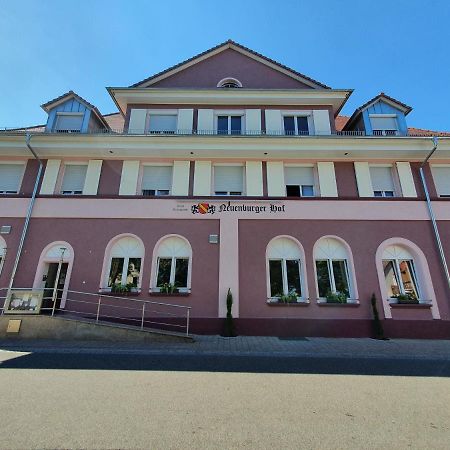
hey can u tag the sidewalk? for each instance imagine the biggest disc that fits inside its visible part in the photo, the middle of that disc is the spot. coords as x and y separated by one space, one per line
250 346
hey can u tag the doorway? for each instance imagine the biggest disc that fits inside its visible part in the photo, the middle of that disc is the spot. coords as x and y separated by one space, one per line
49 280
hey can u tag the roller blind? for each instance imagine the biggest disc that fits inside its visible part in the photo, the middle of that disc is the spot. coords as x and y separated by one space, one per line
10 176
69 122
157 178
300 176
381 178
162 123
74 177
441 177
383 123
228 179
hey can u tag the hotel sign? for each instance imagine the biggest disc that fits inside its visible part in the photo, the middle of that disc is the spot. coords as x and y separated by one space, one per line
229 207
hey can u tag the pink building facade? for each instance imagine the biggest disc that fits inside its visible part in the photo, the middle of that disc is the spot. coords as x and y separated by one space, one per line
233 172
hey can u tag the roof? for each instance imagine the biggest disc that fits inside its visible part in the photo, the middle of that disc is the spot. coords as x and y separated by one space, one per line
71 94
238 47
115 121
381 96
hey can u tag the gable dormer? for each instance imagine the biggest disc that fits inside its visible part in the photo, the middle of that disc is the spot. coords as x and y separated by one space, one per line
70 113
380 116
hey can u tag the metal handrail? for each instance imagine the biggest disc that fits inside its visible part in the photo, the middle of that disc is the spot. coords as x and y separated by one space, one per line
146 308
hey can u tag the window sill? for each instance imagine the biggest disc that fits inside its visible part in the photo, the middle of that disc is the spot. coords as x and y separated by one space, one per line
299 302
350 303
173 294
411 305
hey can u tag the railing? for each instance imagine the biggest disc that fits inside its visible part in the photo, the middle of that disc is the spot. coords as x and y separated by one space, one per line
141 314
246 133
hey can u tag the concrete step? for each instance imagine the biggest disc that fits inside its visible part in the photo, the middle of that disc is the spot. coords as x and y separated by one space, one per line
74 328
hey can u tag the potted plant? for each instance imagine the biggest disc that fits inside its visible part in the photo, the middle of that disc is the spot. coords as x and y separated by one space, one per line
336 297
168 288
123 289
406 299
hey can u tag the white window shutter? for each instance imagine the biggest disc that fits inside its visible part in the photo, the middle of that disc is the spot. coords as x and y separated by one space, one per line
274 123
160 123
202 178
181 172
74 177
383 123
69 122
381 178
300 176
406 179
10 176
363 179
253 121
157 178
254 178
137 121
275 179
205 122
93 173
321 122
327 179
185 121
129 178
441 177
48 185
229 178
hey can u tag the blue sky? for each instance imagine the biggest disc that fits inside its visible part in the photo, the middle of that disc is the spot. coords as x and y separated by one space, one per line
48 47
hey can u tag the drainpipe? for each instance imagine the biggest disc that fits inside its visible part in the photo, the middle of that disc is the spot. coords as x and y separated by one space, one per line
431 212
28 216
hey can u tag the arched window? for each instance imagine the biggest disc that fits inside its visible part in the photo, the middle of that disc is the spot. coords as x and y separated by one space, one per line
229 83
125 256
172 262
284 269
332 268
400 273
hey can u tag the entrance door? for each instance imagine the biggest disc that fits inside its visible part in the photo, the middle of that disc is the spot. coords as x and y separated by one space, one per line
50 279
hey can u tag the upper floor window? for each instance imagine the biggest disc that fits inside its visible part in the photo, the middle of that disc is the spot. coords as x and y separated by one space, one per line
68 122
384 124
382 181
10 177
299 181
296 125
441 177
229 124
73 179
229 83
228 180
156 180
161 123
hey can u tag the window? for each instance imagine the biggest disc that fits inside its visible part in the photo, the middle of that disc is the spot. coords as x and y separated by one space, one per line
10 178
228 180
161 123
441 177
125 259
229 83
68 122
229 124
156 180
400 273
73 179
284 268
299 181
382 181
384 124
332 268
2 253
173 264
296 125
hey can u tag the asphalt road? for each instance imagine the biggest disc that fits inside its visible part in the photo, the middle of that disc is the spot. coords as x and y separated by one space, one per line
224 402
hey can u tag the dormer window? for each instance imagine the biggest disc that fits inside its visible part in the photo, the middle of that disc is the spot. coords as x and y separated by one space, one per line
68 122
229 83
384 124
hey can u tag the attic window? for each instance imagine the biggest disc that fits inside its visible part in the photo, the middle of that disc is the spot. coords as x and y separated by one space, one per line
229 83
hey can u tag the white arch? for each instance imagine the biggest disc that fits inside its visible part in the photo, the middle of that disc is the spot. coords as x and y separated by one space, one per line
334 247
403 248
227 80
287 247
170 246
123 245
52 254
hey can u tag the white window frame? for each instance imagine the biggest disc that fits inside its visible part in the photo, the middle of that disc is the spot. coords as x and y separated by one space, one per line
227 80
141 177
331 275
160 112
228 193
446 166
397 271
383 132
123 280
230 113
395 181
15 163
3 251
64 113
172 271
63 171
284 276
295 114
316 186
